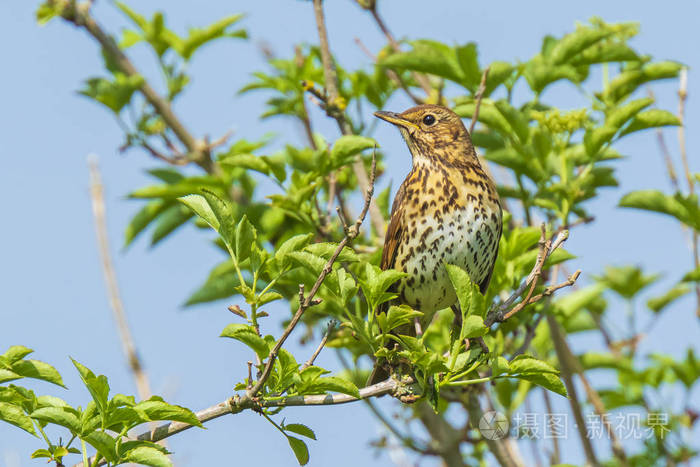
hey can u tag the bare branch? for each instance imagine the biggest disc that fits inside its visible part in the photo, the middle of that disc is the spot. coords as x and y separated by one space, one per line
321 344
567 375
110 277
499 313
306 302
479 97
80 16
421 79
333 110
391 74
236 405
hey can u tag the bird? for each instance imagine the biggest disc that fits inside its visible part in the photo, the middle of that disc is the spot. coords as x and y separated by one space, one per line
446 211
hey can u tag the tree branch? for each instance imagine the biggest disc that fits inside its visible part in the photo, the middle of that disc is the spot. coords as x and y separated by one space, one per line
479 97
567 375
421 79
110 277
236 405
307 302
79 15
499 313
333 110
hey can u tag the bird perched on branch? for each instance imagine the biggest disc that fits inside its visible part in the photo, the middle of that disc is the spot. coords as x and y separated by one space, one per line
446 211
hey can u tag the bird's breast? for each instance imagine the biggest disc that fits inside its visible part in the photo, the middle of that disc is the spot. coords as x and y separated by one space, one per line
450 217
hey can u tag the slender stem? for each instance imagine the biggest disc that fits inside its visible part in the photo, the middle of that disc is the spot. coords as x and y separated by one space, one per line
479 97
421 79
467 382
110 277
331 84
79 15
567 376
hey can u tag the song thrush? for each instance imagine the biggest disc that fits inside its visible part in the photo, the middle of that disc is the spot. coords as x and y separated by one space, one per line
446 211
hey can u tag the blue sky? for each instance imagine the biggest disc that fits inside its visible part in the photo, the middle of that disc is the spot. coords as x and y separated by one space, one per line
53 298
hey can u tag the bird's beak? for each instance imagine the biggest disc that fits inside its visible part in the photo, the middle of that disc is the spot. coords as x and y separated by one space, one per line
396 119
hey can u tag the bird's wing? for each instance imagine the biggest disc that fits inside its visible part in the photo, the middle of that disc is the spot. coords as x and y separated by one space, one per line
484 284
395 230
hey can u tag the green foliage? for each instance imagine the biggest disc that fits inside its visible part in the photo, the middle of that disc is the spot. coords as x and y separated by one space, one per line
103 423
276 241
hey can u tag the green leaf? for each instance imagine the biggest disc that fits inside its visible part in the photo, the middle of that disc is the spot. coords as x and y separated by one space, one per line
296 243
64 417
653 118
397 316
627 281
248 336
156 409
38 370
104 443
150 456
499 366
326 250
657 304
628 81
427 57
113 94
168 221
200 206
529 364
41 453
333 384
300 450
683 208
199 36
143 218
221 283
14 415
245 242
14 353
692 276
468 59
348 145
300 429
574 43
471 301
315 265
224 213
546 380
473 326
595 139
247 161
96 385
575 301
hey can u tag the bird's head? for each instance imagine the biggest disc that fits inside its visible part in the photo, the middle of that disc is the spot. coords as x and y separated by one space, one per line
433 132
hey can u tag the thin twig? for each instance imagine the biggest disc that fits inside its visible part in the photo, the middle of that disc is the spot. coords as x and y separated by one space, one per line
665 153
499 313
567 375
110 277
479 96
391 74
421 79
682 98
331 85
307 302
321 344
79 14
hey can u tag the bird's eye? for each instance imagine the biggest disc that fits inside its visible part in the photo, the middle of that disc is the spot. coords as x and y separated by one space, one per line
429 119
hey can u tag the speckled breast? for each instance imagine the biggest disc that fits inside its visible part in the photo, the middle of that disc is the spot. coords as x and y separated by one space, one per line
452 219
